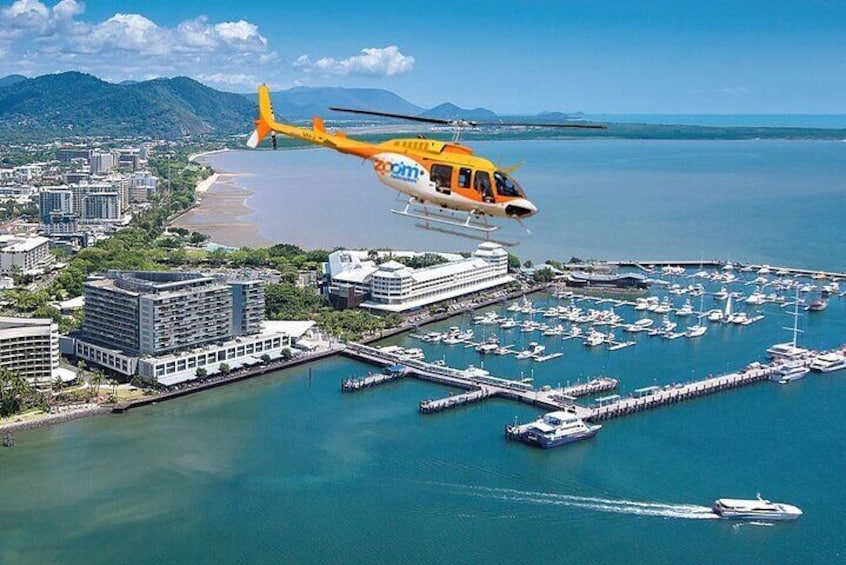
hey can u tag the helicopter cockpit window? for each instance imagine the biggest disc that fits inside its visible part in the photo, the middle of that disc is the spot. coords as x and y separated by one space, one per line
482 184
507 186
464 176
442 177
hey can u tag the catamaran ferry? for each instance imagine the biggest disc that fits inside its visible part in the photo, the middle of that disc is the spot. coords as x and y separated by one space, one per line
757 509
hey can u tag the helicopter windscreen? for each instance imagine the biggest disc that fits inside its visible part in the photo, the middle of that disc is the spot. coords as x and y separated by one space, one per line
507 186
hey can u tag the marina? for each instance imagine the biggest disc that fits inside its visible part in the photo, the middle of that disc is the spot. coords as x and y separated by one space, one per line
591 320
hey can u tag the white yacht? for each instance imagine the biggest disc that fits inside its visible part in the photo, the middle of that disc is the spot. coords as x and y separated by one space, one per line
508 323
412 353
594 338
644 323
756 509
715 315
533 350
722 294
790 371
685 310
739 318
829 362
697 330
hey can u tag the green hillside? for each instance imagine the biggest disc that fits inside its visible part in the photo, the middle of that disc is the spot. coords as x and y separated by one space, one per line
76 103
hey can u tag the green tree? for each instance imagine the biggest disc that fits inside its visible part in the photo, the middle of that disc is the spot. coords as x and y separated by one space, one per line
543 275
224 368
16 393
201 372
265 358
286 354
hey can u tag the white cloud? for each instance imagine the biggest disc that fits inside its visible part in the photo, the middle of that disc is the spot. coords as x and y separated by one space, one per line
47 36
35 39
373 61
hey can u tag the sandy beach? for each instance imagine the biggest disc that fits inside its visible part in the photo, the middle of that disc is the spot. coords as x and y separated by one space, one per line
222 214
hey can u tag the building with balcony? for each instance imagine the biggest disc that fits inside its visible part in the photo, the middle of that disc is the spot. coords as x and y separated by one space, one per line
29 347
394 287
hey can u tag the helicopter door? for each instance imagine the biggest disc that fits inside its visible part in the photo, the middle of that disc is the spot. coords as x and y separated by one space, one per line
482 184
442 177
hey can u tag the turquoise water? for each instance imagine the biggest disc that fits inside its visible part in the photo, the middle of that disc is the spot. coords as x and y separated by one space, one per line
776 202
284 468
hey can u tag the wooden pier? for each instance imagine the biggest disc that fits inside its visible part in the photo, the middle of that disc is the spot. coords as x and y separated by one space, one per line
455 401
679 393
372 380
469 380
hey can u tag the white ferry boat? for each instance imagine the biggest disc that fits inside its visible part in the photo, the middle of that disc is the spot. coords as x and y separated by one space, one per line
558 428
828 362
757 509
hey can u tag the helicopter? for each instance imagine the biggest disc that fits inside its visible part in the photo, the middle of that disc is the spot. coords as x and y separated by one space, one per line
445 183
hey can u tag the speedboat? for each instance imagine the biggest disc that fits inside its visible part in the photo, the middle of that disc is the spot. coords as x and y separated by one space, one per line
817 306
757 509
644 323
828 362
556 429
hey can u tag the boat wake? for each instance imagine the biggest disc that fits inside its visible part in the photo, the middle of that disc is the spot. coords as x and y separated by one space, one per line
616 506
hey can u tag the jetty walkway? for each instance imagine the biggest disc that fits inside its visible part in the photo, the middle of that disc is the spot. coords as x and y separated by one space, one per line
479 383
656 397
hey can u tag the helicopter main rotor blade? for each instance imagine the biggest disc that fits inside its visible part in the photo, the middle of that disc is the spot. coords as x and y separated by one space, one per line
466 123
540 125
392 115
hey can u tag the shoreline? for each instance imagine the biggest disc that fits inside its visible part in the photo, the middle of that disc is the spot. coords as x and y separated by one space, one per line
221 212
90 410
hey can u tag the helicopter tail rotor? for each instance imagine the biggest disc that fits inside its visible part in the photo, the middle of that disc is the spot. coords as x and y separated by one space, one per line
265 118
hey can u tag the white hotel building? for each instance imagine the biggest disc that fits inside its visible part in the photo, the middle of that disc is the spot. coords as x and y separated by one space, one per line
30 347
393 287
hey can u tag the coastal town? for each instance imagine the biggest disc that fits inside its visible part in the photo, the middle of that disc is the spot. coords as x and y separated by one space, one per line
116 306
113 304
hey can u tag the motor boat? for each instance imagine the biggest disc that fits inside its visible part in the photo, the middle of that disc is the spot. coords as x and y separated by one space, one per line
756 509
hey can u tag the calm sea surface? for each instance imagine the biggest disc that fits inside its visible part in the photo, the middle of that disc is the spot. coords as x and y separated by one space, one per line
285 468
778 202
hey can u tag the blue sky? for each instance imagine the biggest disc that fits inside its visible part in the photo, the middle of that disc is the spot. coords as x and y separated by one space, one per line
513 57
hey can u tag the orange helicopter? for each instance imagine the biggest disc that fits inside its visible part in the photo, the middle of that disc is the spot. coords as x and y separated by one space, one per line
445 182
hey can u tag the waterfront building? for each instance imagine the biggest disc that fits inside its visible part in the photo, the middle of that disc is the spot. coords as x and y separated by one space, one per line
25 255
394 287
163 326
29 347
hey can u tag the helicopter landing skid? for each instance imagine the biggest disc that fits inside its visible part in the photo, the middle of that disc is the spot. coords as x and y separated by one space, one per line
427 215
467 235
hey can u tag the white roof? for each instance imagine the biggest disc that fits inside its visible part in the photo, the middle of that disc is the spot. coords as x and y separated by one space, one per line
439 297
293 328
25 244
72 303
448 269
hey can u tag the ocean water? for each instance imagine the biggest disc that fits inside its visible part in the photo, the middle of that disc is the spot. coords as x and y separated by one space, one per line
776 202
284 468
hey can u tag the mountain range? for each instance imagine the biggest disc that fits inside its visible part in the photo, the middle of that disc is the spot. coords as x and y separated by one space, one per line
74 103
